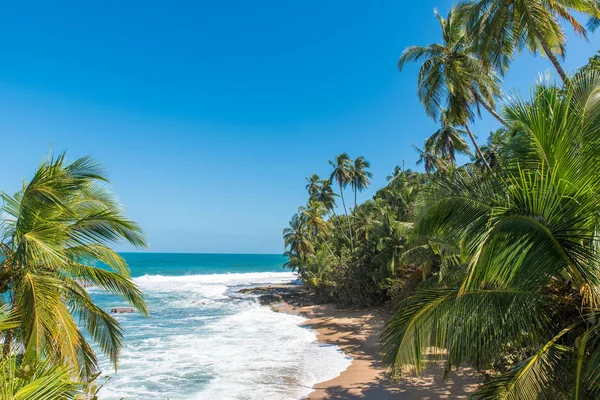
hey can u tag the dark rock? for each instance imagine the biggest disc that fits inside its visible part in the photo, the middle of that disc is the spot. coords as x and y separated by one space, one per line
267 299
122 310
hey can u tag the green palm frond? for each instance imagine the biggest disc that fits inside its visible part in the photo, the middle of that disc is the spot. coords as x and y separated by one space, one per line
37 381
58 231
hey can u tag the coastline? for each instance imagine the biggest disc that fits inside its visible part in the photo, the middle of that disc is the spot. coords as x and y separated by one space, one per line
356 333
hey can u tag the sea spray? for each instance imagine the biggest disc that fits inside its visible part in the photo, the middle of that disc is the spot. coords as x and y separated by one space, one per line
202 343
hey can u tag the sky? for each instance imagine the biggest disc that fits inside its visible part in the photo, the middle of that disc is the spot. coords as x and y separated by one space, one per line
208 115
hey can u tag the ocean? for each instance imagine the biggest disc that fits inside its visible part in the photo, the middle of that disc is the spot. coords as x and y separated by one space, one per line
202 341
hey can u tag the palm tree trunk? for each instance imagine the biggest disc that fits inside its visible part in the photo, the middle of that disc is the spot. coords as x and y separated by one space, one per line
489 109
347 217
552 57
477 149
329 248
355 190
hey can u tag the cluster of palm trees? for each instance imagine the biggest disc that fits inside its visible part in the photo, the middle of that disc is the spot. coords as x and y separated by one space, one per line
350 257
507 245
496 263
55 240
463 72
513 281
309 229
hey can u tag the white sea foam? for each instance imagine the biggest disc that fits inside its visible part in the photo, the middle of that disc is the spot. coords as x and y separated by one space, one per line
199 344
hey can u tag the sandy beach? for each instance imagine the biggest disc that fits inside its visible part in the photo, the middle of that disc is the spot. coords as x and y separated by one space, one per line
356 332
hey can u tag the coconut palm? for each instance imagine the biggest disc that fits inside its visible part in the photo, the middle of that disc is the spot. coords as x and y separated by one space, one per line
55 233
501 27
326 196
296 237
452 77
448 140
530 237
313 214
342 174
497 147
361 178
391 240
428 159
397 172
313 186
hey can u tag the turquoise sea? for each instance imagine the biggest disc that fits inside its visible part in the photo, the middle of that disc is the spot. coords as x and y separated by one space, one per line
205 341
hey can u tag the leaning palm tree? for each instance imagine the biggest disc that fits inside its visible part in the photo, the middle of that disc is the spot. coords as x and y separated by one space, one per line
342 174
452 77
501 27
56 232
361 178
530 237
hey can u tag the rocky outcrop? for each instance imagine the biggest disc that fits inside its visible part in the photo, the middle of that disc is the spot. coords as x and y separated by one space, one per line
267 299
122 310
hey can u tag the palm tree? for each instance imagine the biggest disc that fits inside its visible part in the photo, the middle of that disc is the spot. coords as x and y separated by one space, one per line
342 174
54 233
313 186
427 158
530 237
502 26
391 241
452 77
296 237
326 196
397 172
361 178
497 147
313 215
447 141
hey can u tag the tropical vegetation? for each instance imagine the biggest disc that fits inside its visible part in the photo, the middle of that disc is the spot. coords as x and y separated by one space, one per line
492 263
56 237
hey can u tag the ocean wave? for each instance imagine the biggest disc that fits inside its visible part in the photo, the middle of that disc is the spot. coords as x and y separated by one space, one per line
209 346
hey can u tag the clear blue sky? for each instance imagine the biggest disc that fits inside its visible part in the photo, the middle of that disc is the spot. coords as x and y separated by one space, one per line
208 115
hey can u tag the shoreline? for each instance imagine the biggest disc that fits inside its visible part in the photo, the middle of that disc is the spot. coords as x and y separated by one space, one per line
356 333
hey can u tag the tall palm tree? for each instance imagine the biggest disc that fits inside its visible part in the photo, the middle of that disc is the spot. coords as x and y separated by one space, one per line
501 27
55 232
530 236
342 174
448 140
361 178
313 186
452 77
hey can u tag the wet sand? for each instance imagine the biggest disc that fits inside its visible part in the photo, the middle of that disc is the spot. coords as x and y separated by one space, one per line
356 333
